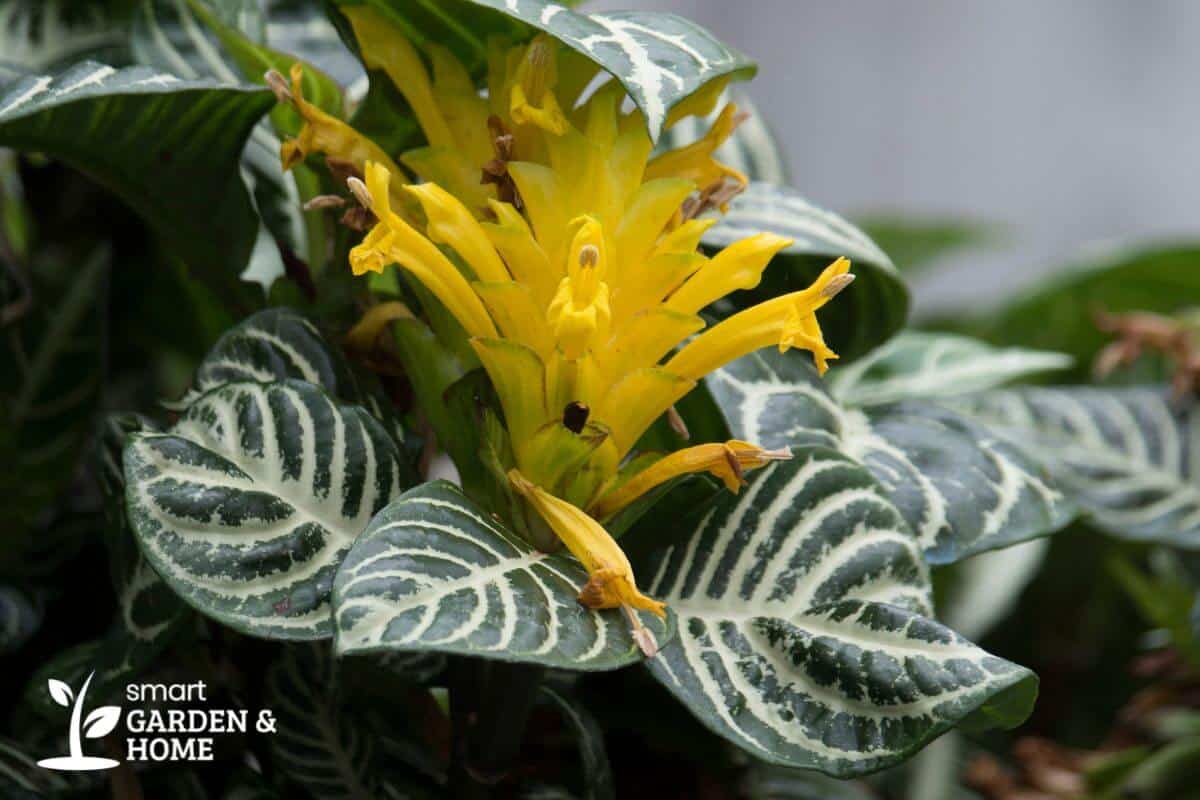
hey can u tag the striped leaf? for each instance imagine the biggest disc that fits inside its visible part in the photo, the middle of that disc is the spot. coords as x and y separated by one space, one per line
274 345
150 613
802 630
866 314
433 571
44 35
661 59
21 614
168 148
751 149
280 344
935 365
247 506
962 489
1129 457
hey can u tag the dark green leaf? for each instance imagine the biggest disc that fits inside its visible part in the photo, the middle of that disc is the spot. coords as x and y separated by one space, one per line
168 148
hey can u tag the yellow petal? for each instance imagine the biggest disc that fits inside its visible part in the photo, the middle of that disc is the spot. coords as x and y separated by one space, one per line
385 46
611 583
725 461
788 321
695 161
637 399
526 259
394 240
364 333
699 103
647 216
738 266
323 133
520 381
647 337
533 101
450 223
449 167
517 314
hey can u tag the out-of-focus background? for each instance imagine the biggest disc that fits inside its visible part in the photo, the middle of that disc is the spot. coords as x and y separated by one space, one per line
1070 124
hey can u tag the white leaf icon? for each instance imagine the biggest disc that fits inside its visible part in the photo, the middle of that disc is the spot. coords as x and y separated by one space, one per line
60 692
101 721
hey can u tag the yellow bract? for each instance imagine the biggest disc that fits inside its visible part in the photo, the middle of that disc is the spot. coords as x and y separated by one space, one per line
574 267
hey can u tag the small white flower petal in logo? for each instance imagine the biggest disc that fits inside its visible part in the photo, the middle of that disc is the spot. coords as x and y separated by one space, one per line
100 722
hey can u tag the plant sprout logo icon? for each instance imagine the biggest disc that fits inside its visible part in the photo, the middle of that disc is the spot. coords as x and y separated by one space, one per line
98 723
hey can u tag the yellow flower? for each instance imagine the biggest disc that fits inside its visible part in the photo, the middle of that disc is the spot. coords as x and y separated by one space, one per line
574 269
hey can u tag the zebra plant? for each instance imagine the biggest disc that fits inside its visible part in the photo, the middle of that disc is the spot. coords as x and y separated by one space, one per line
519 367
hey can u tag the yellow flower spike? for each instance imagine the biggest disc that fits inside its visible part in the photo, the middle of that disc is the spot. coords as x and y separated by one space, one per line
532 101
450 223
394 240
326 134
695 161
611 583
580 313
639 398
727 462
738 266
781 320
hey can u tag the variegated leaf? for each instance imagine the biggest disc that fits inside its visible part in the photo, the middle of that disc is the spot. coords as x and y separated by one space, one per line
1129 457
279 344
802 636
167 147
866 314
149 611
661 59
21 614
752 149
273 345
914 365
247 506
961 488
44 35
434 571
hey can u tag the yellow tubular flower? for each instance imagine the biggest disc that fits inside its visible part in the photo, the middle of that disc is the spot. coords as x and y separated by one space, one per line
728 462
578 278
326 134
611 583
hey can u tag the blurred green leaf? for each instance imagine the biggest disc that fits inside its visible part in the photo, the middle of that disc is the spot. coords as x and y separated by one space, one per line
917 243
1058 314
